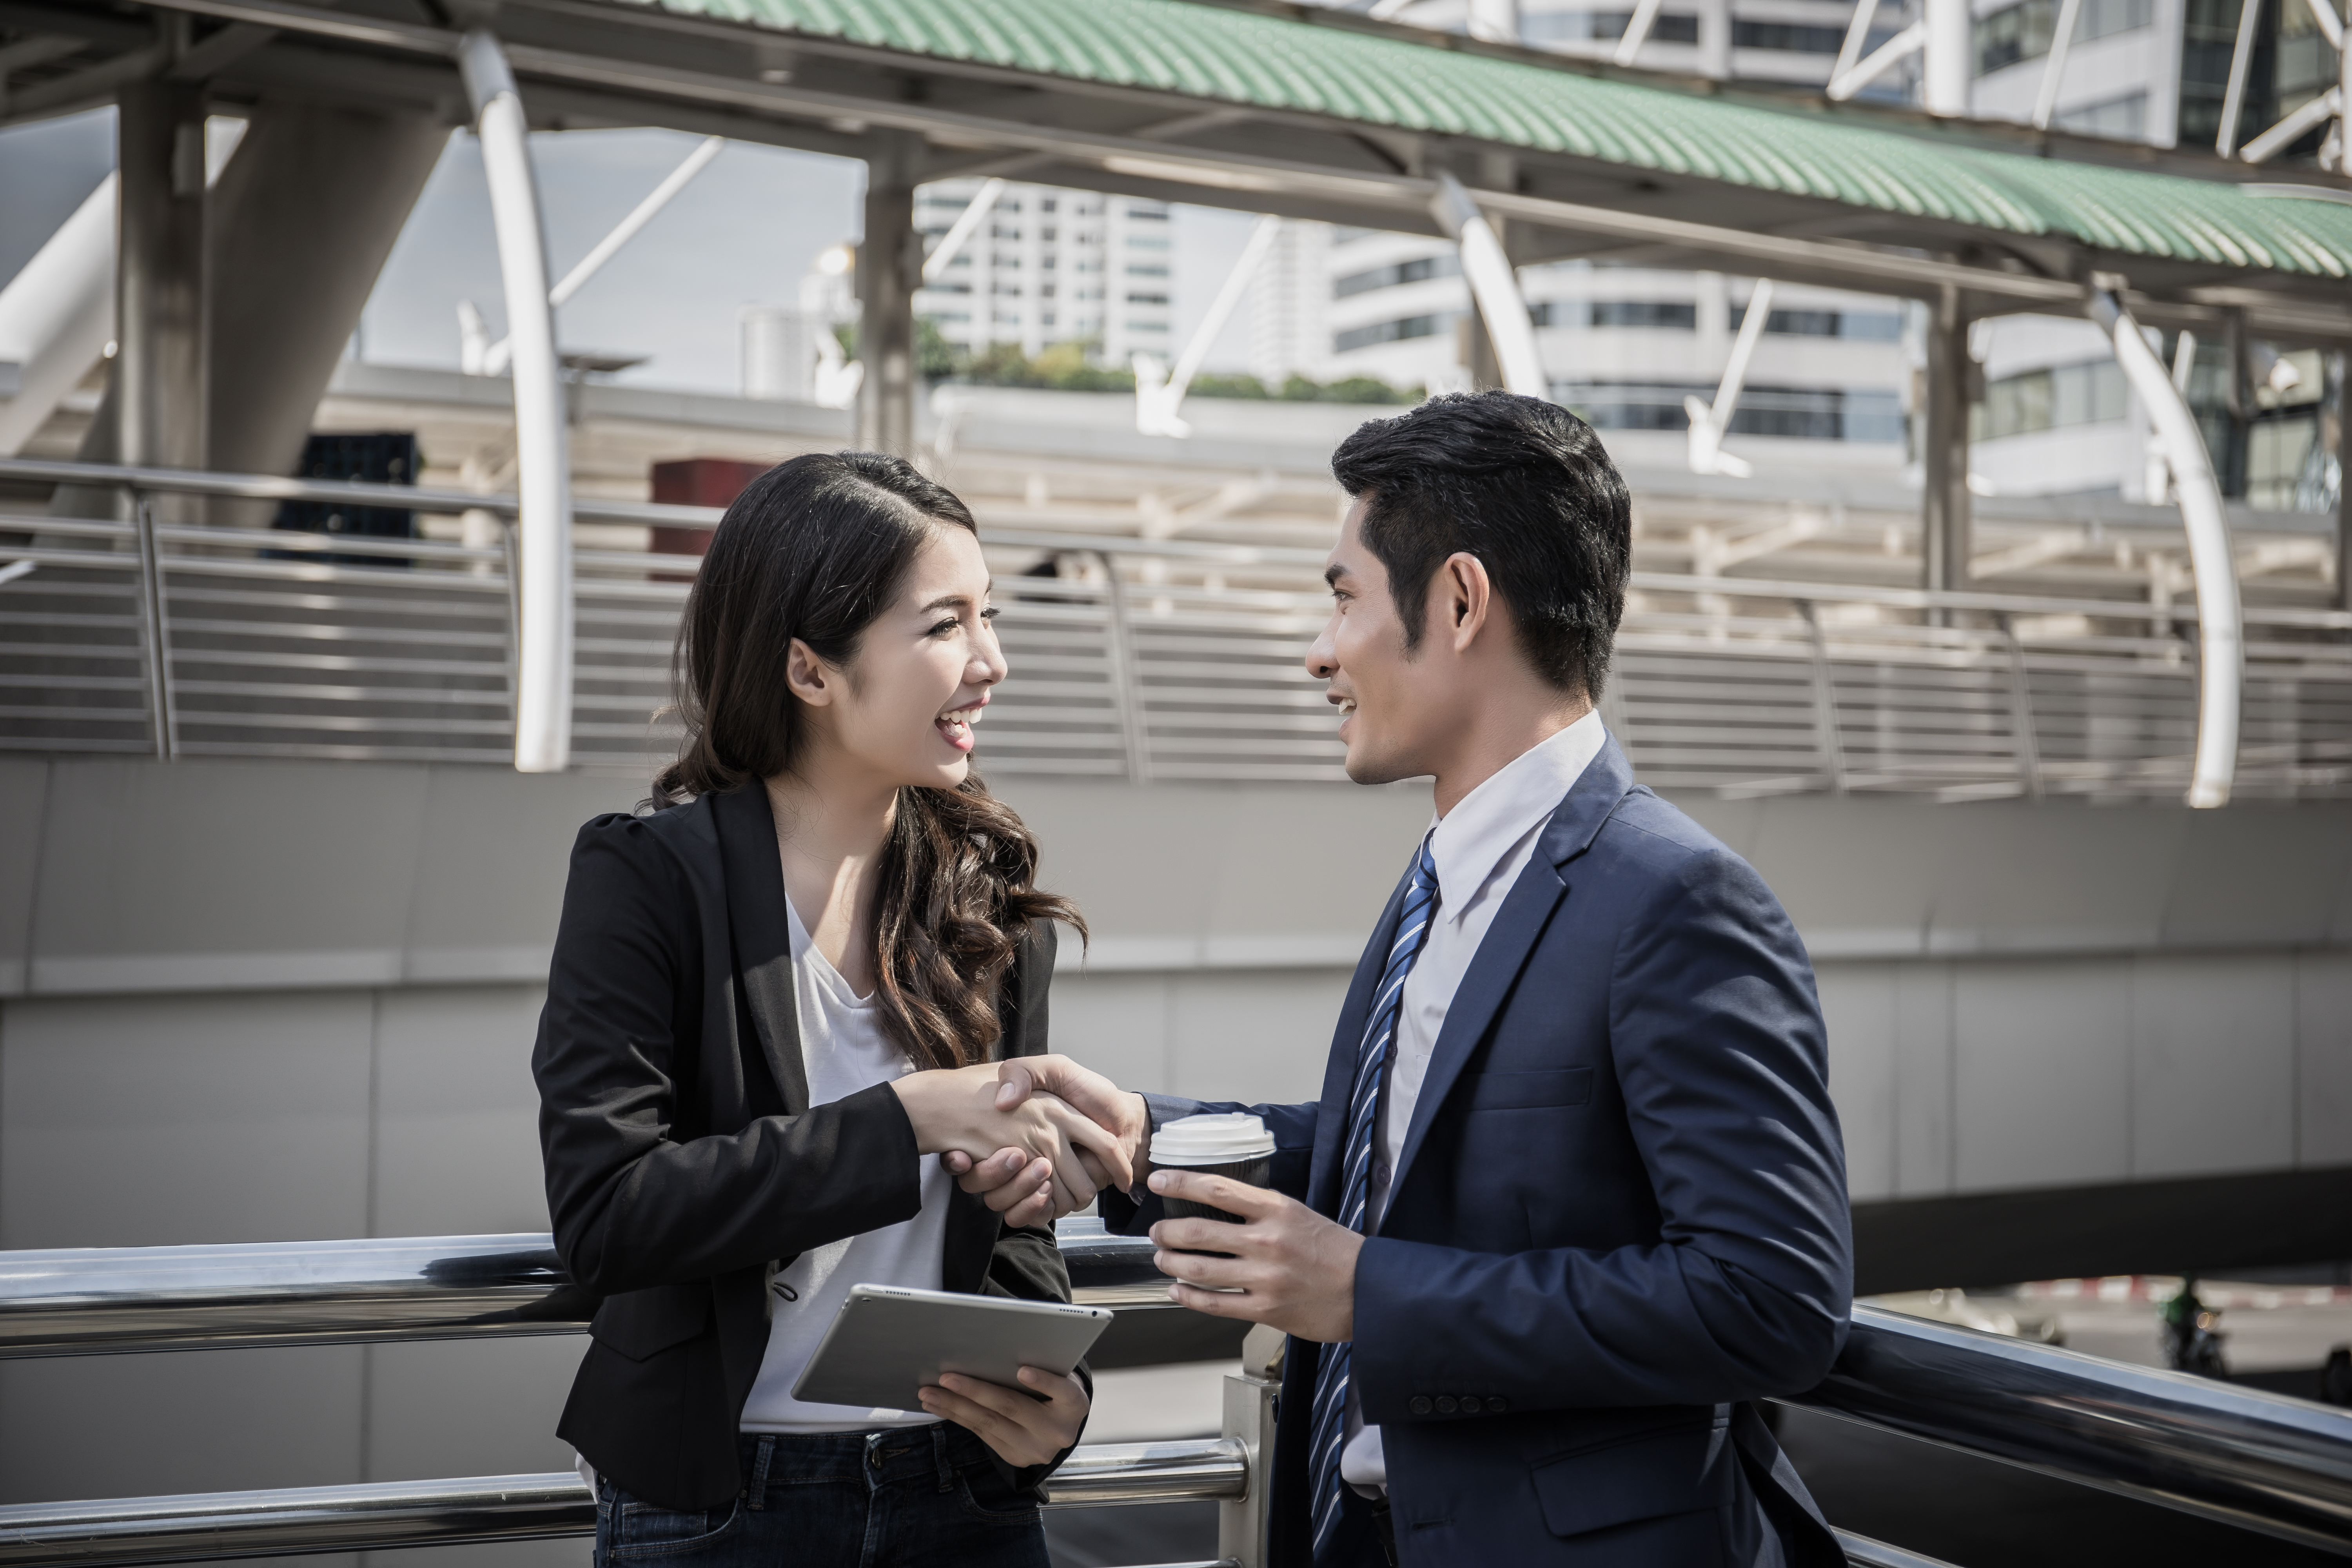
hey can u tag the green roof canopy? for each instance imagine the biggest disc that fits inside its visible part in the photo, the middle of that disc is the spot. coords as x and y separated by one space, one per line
1270 62
1311 113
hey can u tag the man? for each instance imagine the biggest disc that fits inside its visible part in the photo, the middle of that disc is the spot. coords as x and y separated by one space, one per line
1574 1194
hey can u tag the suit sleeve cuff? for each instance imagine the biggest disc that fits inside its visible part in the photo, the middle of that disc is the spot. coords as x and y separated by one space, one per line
1136 1211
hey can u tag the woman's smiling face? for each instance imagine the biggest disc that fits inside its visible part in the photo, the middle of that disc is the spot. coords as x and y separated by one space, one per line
904 707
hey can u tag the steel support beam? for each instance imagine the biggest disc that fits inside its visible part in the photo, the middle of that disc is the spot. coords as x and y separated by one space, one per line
2242 58
889 271
2220 639
302 219
542 461
1945 532
1947 54
1502 309
2054 66
56 314
2339 368
159 363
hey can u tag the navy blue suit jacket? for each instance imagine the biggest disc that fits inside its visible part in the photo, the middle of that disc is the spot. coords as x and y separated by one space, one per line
1619 1214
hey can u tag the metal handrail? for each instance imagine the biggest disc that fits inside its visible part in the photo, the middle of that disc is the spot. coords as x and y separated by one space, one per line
381 1515
97 1300
377 1516
117 1532
2257 1460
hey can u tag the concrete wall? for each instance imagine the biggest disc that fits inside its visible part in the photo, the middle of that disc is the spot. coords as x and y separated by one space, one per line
287 1001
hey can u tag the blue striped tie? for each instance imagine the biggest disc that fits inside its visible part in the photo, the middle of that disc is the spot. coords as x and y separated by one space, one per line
1328 1435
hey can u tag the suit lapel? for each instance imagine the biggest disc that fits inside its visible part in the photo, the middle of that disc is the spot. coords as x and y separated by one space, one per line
1503 953
760 928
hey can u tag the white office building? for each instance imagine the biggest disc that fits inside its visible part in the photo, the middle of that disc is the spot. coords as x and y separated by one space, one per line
1050 266
1831 383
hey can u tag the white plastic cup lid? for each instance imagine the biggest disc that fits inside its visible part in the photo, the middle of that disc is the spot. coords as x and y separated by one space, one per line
1212 1138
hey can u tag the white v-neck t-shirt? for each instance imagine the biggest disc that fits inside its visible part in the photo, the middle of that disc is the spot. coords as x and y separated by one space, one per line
845 1048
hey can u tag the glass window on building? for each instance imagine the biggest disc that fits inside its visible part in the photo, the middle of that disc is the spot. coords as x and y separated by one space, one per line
1782 412
2057 398
2023 31
1657 315
1601 27
2124 119
2290 64
1420 269
1855 326
1788 38
1393 331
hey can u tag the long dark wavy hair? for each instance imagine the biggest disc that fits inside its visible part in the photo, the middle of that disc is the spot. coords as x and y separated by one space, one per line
816 549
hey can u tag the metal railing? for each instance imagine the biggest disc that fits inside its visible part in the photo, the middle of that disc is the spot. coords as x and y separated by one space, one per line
212 1526
97 1300
2257 1461
1139 659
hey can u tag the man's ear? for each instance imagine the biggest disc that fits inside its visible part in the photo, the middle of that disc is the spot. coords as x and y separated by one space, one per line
1465 597
809 678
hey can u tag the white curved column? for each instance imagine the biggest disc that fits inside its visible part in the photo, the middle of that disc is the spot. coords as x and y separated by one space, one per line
543 474
1494 285
2221 638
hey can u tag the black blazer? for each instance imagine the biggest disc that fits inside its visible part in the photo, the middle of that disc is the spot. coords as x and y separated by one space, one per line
684 1165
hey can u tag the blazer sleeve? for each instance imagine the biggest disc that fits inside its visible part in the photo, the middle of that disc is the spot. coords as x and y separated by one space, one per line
1720 1052
637 1199
1293 1126
1026 1263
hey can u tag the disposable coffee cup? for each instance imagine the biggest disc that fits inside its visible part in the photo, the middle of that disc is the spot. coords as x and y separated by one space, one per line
1230 1144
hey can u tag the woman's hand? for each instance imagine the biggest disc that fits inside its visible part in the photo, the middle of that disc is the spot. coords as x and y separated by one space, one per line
1021 1430
957 1109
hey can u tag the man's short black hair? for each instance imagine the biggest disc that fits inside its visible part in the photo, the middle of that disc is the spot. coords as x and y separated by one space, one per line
1523 484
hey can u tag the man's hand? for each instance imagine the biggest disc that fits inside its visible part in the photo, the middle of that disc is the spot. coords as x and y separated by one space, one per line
1023 1430
1296 1269
1013 1188
966 1110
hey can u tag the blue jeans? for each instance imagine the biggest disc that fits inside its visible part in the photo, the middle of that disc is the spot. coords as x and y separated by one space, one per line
915 1497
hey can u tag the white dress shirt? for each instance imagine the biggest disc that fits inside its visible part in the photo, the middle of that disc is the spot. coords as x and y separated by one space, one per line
1479 847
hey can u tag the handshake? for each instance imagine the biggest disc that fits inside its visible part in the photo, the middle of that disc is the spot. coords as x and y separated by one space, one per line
1038 1135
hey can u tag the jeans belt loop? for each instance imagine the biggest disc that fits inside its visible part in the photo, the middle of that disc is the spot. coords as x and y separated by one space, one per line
767 1451
940 1456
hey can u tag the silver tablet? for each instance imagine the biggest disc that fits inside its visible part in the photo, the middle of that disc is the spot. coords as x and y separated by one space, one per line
887 1342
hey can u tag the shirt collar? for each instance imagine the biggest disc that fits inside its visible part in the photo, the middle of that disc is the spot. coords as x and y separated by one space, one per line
1470 841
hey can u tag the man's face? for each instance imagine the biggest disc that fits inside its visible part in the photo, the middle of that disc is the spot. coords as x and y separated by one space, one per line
1394 705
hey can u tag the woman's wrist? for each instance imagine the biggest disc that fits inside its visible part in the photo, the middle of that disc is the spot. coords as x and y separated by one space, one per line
918 1096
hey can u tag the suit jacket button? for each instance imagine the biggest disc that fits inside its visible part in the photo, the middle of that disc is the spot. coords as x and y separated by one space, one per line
1496 1404
1469 1405
1419 1404
1447 1405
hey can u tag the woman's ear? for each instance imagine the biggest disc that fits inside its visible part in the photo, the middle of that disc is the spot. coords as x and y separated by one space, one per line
809 678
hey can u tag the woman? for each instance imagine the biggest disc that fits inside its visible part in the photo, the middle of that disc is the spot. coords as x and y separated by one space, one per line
772 1001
